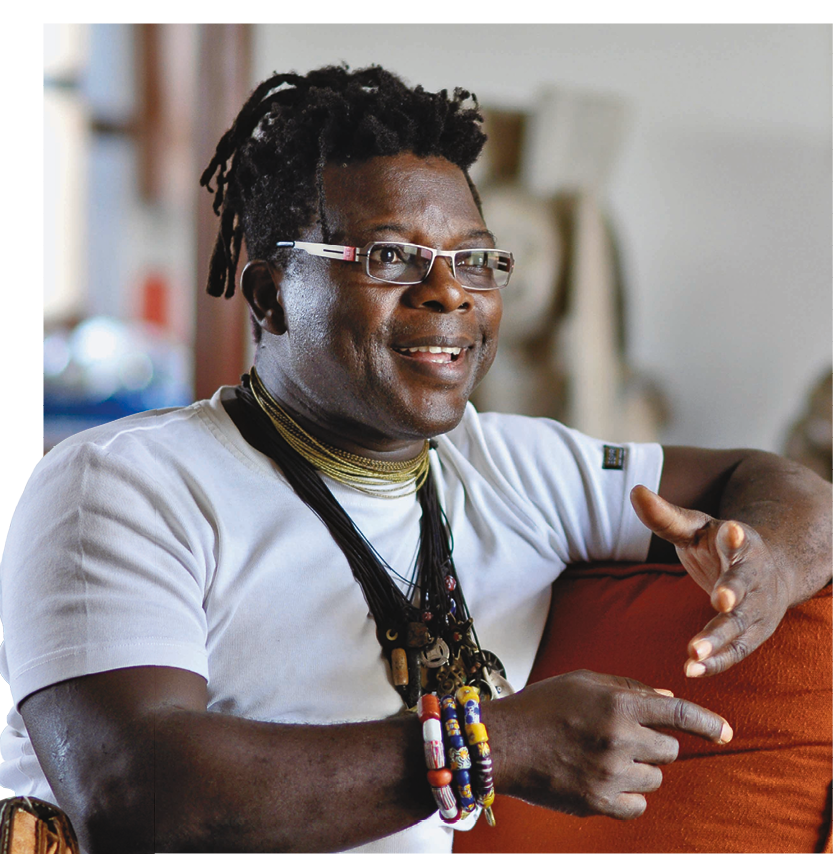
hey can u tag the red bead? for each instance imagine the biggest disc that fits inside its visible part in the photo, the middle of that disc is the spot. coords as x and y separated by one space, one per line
439 777
428 706
450 582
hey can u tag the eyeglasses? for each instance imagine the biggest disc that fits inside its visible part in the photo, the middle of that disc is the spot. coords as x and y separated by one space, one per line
410 264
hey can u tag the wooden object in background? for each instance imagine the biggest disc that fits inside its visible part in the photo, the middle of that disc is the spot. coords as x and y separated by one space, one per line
223 84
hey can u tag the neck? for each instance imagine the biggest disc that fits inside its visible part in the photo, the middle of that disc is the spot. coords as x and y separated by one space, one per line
383 478
333 429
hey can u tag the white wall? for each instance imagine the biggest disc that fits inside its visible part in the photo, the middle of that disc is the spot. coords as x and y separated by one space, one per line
721 195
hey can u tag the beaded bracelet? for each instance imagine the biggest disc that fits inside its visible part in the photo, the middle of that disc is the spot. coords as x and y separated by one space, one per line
481 754
457 756
439 777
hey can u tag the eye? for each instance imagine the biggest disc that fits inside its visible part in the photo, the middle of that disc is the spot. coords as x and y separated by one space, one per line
477 261
387 253
472 259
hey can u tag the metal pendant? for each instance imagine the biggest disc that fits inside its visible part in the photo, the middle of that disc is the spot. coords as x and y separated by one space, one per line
492 678
451 676
435 655
496 684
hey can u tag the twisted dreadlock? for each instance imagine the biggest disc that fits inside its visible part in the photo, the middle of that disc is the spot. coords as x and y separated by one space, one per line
269 166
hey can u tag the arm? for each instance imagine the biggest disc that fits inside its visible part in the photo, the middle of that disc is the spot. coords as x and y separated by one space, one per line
139 764
755 535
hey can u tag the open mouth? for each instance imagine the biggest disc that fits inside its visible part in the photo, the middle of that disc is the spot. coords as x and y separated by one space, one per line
431 353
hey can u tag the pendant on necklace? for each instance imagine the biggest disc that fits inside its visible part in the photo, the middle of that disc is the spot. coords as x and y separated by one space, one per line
418 635
435 655
492 679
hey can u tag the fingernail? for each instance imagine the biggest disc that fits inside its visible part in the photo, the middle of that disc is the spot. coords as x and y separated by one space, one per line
736 535
694 668
702 649
664 691
726 599
726 734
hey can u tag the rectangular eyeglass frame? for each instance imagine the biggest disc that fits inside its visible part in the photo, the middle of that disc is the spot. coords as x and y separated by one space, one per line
356 253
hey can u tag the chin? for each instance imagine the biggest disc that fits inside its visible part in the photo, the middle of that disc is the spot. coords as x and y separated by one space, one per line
433 419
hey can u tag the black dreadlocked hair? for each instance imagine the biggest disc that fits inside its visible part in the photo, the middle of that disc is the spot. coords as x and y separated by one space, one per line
269 166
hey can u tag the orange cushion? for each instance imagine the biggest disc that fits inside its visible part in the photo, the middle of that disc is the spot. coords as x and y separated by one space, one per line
768 790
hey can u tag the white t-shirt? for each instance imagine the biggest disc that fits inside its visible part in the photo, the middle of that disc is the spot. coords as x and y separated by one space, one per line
166 539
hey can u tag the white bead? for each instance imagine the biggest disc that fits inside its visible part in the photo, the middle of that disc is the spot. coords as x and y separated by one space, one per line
432 730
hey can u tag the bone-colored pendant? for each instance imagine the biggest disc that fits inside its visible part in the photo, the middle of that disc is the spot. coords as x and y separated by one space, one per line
399 666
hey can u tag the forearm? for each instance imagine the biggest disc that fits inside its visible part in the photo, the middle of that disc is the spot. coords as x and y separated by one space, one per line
190 780
790 507
252 786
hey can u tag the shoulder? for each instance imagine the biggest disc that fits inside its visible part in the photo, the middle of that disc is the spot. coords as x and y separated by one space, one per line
142 428
158 438
521 438
160 459
540 453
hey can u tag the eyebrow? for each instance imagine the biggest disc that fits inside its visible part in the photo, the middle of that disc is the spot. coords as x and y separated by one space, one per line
400 229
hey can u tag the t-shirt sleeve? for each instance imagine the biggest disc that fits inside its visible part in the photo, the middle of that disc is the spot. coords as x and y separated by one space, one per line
574 487
101 570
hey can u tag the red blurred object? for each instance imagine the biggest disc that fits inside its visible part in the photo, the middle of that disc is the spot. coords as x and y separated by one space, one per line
155 302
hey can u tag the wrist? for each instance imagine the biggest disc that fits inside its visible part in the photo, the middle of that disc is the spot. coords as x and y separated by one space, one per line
497 715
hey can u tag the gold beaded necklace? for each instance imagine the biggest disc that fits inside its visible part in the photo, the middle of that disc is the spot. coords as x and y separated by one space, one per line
383 479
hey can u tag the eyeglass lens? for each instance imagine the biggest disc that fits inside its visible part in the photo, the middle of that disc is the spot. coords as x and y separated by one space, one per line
408 264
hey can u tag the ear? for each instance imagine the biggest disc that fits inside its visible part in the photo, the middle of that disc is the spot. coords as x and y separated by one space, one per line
261 285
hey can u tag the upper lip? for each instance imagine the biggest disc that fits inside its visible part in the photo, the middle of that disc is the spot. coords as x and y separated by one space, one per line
460 342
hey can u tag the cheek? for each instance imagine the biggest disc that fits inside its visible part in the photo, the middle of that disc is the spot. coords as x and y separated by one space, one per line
497 313
492 313
339 326
312 313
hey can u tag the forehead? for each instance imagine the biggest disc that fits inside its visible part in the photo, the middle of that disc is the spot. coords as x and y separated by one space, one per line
414 197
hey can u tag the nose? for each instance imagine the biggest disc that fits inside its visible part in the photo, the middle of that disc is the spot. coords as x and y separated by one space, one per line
440 292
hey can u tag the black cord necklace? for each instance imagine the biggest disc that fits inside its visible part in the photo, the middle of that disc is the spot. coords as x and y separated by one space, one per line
428 638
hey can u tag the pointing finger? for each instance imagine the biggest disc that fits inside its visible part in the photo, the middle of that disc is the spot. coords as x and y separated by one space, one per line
685 716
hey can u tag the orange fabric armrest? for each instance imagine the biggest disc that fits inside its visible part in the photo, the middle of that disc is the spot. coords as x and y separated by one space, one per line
768 790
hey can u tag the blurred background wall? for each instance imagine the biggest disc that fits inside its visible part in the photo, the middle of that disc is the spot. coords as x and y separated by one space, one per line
706 149
719 188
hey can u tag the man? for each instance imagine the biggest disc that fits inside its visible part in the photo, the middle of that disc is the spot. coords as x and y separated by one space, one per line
194 616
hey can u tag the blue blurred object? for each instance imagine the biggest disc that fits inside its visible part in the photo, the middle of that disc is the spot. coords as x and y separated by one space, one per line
104 369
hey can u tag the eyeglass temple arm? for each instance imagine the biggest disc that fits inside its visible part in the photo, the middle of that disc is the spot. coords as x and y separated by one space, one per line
324 250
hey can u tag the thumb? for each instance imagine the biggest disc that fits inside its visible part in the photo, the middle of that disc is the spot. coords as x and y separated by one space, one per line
675 524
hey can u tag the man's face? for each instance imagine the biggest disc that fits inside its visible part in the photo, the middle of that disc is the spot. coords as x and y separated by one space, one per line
348 360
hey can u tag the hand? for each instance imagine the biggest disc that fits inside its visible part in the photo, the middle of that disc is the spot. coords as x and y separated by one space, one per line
588 744
733 564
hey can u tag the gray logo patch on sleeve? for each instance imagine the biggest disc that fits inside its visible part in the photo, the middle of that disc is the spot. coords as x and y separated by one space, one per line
613 458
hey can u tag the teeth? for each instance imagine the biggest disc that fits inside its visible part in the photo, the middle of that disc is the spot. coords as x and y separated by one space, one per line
455 351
